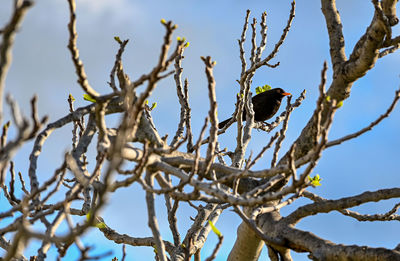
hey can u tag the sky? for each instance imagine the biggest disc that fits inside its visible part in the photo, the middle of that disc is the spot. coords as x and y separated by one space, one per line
42 65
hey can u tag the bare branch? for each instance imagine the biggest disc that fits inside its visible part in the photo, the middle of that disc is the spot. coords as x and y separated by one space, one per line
263 33
370 126
253 42
283 36
152 220
241 42
336 39
133 241
377 217
341 204
389 50
117 68
216 249
212 114
282 133
80 70
172 220
8 35
366 51
181 97
321 249
252 224
189 133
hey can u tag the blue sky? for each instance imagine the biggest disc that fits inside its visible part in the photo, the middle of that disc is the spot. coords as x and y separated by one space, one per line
42 65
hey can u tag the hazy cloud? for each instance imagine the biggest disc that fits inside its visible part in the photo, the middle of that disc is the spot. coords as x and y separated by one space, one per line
121 8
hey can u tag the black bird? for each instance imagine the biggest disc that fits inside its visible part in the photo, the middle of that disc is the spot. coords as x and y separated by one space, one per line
265 105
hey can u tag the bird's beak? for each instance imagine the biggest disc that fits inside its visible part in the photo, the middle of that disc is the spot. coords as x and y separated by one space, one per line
286 93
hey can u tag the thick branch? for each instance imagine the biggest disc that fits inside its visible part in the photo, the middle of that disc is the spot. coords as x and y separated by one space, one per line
336 39
321 249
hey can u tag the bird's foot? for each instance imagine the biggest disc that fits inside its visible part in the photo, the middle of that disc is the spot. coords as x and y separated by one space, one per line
266 124
261 125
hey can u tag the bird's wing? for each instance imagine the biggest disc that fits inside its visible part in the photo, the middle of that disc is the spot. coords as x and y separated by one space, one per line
258 100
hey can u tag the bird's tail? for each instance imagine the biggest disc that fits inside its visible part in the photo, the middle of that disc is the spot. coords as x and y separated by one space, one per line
223 123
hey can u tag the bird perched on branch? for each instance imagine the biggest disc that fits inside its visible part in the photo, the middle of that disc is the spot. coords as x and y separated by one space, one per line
265 105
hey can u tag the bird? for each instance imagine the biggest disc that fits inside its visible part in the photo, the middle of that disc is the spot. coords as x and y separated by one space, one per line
265 105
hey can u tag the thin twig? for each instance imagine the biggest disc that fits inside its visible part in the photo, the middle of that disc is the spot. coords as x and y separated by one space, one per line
212 114
79 68
118 65
282 132
8 35
152 220
370 126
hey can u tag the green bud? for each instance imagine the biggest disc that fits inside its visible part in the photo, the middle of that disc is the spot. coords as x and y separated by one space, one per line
87 97
116 38
267 87
240 95
7 125
315 181
101 225
214 229
261 89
